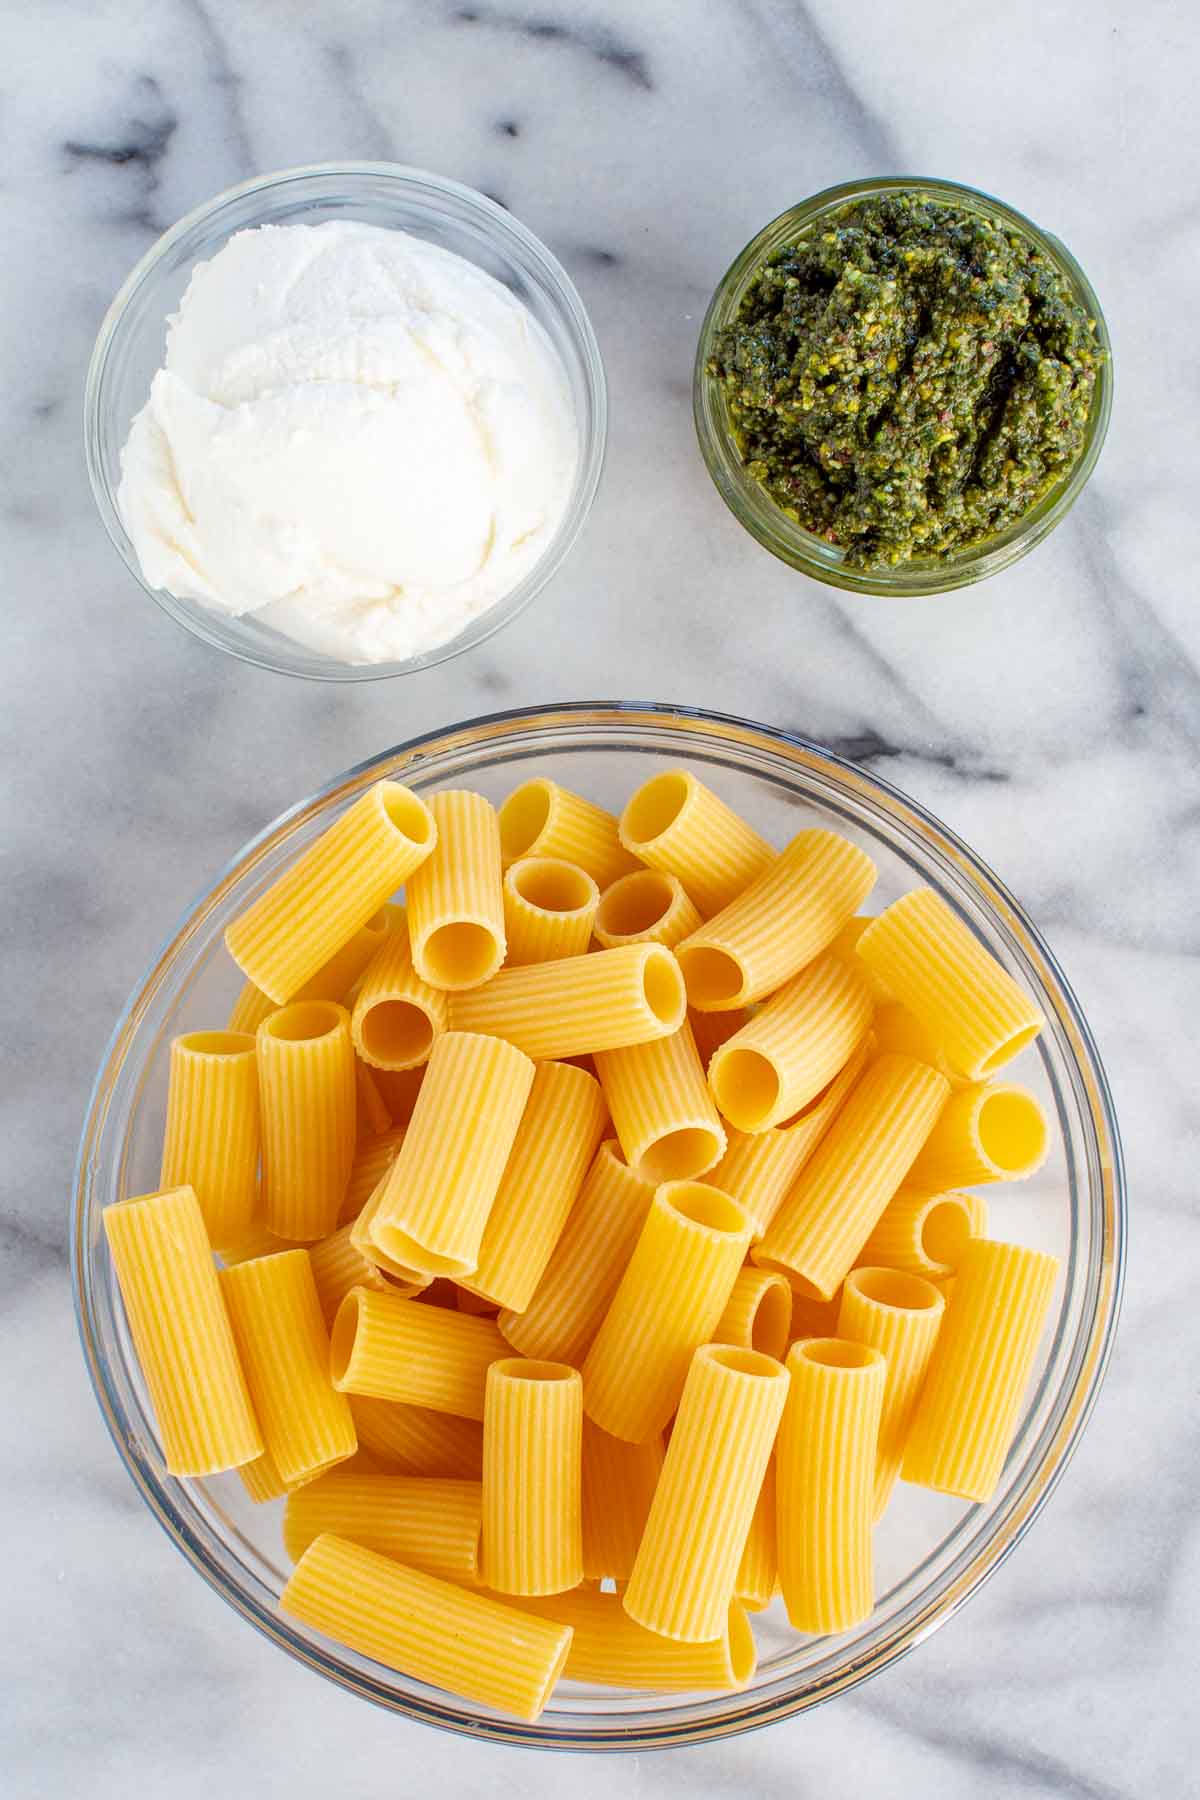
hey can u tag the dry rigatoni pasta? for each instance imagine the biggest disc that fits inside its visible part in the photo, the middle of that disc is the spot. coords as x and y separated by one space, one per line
371 1115
396 1016
332 890
373 1157
455 904
925 1234
900 1316
712 1029
758 1313
413 1440
557 1138
845 945
532 1519
426 1520
758 1168
825 1483
337 1266
897 1030
400 1088
579 1004
991 1131
587 1263
670 1297
758 1572
619 1480
211 1138
283 1344
935 966
540 818
452 1637
308 1109
646 907
181 1332
439 1190
408 1279
397 1349
335 981
785 918
687 1563
549 909
262 1480
967 1413
853 1173
662 1111
676 824
608 1649
793 1047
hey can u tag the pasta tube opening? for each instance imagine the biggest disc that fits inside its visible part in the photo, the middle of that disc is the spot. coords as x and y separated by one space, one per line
410 816
460 954
713 977
341 1338
1010 1130
637 905
836 1353
655 808
681 1154
396 1033
745 1086
1010 1046
217 1043
662 984
892 1287
946 1230
303 1022
772 1318
704 1205
743 1652
524 816
740 1361
551 884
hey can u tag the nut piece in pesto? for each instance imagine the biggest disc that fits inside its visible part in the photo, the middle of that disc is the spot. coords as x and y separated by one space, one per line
908 377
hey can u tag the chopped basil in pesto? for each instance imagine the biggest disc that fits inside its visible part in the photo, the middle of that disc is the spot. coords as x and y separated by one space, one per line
908 377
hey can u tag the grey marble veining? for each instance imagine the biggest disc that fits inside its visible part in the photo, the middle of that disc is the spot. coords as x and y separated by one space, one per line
1052 717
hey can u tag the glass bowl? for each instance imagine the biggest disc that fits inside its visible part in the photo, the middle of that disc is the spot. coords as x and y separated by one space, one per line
754 508
130 345
933 1552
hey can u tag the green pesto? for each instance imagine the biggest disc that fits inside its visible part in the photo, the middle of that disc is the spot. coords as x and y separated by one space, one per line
908 378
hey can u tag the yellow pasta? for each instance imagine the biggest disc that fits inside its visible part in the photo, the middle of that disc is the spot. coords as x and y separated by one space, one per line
337 1267
439 1191
412 1440
181 1332
397 1349
549 910
793 1047
758 1314
670 1298
579 1004
258 1241
646 907
900 1316
676 824
925 1234
308 1105
785 918
849 1179
283 1344
758 1572
759 1167
815 1318
935 966
619 1480
609 1650
825 1483
897 1030
397 1017
540 818
967 1413
332 890
373 1158
586 1265
211 1141
425 1520
262 1480
372 1118
332 982
687 1563
991 1131
532 1523
455 906
557 1139
450 1636
662 1111
845 945
410 1280
712 1029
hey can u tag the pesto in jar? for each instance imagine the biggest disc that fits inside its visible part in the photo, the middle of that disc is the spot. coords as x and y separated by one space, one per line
908 377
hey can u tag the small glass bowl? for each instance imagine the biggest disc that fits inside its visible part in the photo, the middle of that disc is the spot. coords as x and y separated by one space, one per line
932 1552
130 345
754 508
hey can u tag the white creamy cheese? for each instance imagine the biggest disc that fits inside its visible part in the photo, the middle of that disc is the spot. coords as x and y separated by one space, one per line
357 436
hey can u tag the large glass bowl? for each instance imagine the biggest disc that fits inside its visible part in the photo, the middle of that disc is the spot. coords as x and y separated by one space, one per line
933 1552
131 341
749 501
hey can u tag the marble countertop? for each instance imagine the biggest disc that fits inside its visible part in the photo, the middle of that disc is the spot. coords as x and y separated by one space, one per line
1051 717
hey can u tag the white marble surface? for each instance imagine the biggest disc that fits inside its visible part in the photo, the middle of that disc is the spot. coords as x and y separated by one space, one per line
1051 717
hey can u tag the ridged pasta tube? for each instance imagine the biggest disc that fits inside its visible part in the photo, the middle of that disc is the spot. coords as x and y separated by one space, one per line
579 1004
541 818
532 1518
308 1109
412 1440
646 907
676 824
455 904
619 1480
925 1234
334 981
426 1520
793 1047
758 1314
900 1316
549 909
398 1349
992 1131
758 1572
662 1111
609 1649
397 1017
211 1139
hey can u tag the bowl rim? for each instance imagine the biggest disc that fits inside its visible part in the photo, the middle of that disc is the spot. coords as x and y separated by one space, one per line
803 550
746 1712
204 623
